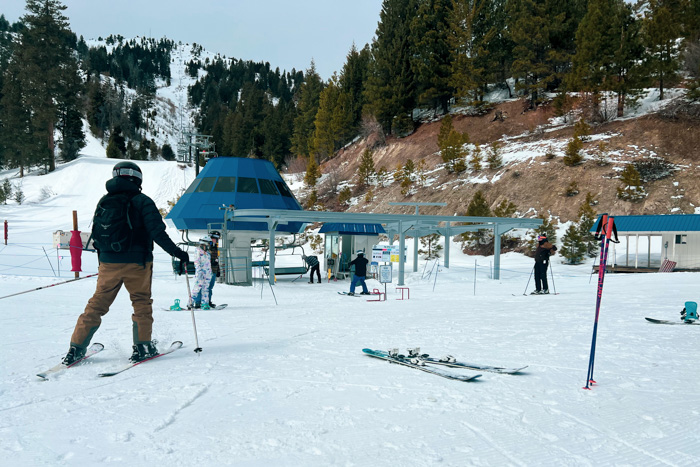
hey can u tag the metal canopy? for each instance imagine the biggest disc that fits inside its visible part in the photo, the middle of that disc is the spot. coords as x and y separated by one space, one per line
401 224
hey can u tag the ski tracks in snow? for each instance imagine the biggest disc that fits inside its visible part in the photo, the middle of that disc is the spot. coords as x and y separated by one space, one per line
171 419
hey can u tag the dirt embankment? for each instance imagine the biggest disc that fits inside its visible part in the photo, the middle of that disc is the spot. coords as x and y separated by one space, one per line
538 183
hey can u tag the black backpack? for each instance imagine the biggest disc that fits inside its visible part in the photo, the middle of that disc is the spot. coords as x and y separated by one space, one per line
112 230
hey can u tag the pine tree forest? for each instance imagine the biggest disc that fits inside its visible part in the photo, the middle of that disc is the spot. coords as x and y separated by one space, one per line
426 55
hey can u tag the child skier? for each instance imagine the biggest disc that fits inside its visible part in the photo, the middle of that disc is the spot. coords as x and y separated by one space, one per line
203 275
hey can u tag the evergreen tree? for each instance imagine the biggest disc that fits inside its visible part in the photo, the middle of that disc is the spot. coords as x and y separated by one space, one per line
431 60
573 248
451 144
475 161
529 26
662 29
586 221
431 247
46 68
478 207
324 136
391 86
167 152
494 158
608 50
352 83
543 34
470 40
313 172
70 122
366 171
631 189
309 97
19 147
573 154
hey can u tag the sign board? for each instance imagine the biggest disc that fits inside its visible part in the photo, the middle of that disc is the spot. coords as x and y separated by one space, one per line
381 253
386 253
385 274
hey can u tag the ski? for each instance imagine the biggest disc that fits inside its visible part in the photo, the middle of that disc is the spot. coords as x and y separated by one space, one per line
416 363
92 350
663 321
173 347
473 366
346 293
450 361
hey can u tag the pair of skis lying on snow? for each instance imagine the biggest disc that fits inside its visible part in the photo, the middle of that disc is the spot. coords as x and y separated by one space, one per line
97 348
424 362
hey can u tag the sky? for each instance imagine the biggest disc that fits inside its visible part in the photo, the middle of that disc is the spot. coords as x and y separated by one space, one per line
285 34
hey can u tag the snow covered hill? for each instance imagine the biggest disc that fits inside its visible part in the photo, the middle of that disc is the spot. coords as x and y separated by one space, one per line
282 379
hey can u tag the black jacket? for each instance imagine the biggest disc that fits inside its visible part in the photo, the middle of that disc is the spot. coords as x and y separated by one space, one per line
360 266
148 226
544 251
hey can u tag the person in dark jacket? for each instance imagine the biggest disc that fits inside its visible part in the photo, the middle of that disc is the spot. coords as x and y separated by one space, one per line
360 264
132 268
312 262
542 253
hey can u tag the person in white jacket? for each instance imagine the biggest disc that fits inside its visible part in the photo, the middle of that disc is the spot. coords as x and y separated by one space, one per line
203 274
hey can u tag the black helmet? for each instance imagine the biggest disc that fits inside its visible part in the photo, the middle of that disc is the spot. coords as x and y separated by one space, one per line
129 170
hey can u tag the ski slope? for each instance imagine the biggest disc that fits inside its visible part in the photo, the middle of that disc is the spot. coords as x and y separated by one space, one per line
282 380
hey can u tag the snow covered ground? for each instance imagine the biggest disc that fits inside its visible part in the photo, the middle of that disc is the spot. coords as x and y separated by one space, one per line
282 380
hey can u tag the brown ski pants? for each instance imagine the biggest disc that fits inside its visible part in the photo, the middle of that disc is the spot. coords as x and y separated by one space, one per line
137 280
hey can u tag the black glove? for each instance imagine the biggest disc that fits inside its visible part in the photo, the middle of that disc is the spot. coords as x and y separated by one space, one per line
184 259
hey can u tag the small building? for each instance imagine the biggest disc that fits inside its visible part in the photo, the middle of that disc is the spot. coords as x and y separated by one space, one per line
342 240
674 238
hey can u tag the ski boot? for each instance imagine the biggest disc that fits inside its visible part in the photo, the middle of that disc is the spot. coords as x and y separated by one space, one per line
176 306
143 352
212 305
74 354
690 312
536 292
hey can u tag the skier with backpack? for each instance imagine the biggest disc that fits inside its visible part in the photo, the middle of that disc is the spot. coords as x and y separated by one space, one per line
203 275
124 227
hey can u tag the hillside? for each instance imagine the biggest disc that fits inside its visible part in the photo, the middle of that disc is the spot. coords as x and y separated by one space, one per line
531 180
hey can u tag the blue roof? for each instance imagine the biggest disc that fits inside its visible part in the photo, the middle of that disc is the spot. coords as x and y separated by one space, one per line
657 223
244 183
353 229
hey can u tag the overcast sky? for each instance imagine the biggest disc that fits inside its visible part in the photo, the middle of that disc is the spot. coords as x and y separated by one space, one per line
288 34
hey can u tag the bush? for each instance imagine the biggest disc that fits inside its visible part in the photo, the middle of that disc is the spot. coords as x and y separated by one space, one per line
344 195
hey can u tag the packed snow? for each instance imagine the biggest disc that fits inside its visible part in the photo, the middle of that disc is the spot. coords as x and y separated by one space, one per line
282 379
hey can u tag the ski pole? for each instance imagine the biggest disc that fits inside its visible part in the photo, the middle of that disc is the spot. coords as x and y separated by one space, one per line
47 286
189 305
528 280
551 271
607 225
